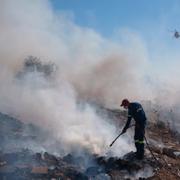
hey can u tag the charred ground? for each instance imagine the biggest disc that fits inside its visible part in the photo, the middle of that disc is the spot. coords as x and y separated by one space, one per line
18 160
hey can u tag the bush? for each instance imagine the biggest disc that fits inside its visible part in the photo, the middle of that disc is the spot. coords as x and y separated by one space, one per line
32 64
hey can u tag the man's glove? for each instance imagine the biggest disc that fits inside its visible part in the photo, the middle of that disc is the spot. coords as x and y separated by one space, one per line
123 131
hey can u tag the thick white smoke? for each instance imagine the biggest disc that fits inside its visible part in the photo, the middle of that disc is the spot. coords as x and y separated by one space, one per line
90 67
96 67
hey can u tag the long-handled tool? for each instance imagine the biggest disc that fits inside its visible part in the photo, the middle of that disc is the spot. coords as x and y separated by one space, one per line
120 135
116 138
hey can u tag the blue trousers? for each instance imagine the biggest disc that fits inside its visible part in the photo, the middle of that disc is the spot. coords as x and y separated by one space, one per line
139 140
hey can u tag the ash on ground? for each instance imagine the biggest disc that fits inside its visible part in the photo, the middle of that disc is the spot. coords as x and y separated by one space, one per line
21 160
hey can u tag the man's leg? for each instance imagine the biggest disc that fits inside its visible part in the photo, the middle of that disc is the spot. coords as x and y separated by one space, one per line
136 139
139 141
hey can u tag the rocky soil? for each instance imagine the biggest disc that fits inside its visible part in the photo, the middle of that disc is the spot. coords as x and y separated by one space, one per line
161 162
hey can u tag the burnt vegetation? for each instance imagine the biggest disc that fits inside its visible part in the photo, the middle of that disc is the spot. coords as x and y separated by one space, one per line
24 163
34 64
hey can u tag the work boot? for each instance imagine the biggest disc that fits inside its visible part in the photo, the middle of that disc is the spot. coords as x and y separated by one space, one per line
137 153
137 146
140 154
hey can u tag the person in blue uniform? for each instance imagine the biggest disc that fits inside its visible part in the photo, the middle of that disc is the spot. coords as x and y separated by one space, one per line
135 111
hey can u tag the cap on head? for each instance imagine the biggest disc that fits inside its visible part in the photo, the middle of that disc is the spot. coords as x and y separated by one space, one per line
125 102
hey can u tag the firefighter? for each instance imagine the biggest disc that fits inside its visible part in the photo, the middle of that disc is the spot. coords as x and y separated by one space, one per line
135 111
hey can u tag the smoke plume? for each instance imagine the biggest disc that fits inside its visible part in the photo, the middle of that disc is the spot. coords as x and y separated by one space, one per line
90 68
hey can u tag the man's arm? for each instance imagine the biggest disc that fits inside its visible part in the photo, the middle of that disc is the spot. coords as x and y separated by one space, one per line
127 123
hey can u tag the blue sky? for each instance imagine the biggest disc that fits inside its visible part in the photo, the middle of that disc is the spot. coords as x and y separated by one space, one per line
105 16
153 20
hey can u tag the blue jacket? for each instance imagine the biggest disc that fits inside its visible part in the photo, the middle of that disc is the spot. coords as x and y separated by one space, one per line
135 111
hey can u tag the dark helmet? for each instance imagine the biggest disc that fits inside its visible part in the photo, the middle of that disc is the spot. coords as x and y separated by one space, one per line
125 102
